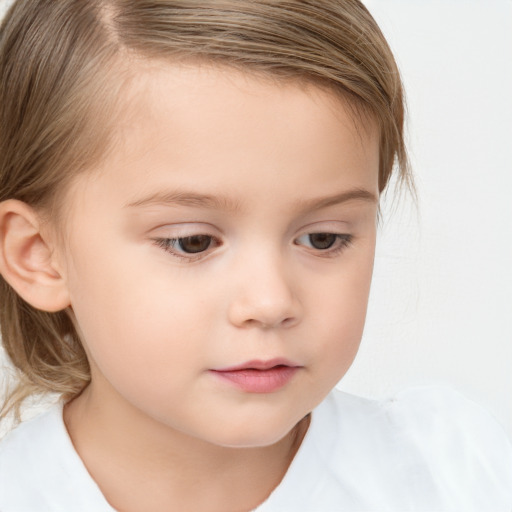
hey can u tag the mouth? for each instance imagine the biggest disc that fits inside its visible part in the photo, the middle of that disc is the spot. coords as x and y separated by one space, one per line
259 376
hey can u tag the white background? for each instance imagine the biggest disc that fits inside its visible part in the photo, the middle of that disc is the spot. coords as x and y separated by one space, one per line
441 304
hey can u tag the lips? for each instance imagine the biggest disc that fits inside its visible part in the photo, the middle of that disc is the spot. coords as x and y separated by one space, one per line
259 376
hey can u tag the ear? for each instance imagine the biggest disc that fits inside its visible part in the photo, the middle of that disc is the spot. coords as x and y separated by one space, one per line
27 260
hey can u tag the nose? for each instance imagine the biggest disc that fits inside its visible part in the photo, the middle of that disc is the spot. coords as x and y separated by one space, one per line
265 294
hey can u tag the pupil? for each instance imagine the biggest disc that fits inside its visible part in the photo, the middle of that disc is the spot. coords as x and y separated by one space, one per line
196 243
322 240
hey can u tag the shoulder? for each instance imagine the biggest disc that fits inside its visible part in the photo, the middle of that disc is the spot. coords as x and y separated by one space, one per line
39 469
21 457
25 442
438 410
426 412
450 427
431 439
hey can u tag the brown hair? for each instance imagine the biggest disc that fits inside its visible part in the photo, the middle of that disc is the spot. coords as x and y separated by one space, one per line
61 72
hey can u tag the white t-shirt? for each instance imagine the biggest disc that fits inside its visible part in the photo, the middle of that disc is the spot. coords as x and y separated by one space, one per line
428 449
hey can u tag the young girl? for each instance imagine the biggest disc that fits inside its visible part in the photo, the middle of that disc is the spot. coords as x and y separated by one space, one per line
189 193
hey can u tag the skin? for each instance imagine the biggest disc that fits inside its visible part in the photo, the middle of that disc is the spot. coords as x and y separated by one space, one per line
155 423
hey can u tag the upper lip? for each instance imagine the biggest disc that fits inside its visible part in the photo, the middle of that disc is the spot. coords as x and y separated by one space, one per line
258 364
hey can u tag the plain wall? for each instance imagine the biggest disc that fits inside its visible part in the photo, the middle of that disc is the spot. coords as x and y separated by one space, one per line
440 307
441 303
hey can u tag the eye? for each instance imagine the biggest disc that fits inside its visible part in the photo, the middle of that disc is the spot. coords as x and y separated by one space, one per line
194 244
329 243
322 240
187 247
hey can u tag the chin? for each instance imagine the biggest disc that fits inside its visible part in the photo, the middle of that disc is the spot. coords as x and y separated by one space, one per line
257 434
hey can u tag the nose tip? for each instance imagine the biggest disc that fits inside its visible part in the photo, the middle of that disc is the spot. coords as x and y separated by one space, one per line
265 300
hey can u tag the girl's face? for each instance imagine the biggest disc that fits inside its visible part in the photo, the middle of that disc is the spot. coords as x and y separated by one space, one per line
219 262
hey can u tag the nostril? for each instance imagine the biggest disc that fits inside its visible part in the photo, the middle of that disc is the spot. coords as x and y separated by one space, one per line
287 322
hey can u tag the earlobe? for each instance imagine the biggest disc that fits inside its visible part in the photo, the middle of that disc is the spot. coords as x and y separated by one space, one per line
26 261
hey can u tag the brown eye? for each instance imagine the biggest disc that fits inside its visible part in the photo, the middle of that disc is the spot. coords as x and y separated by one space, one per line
195 244
322 240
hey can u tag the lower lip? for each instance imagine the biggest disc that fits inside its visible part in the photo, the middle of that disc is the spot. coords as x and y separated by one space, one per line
259 381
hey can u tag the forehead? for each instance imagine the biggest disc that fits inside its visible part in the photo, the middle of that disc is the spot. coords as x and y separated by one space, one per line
203 90
208 126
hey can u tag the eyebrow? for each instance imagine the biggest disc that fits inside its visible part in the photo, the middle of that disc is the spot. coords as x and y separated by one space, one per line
212 202
359 194
184 198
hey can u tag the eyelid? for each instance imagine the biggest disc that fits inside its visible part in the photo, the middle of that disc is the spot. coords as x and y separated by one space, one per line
185 229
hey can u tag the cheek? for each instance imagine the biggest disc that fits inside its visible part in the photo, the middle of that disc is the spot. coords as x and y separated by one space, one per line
340 306
139 319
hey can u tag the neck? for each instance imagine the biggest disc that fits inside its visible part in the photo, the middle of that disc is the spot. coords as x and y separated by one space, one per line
140 464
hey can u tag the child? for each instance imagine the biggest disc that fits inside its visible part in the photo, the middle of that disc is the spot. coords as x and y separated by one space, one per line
189 193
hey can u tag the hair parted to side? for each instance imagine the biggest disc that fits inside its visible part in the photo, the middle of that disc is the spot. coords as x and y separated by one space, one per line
61 77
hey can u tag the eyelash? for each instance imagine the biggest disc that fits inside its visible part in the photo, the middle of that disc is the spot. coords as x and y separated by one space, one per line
168 244
342 242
